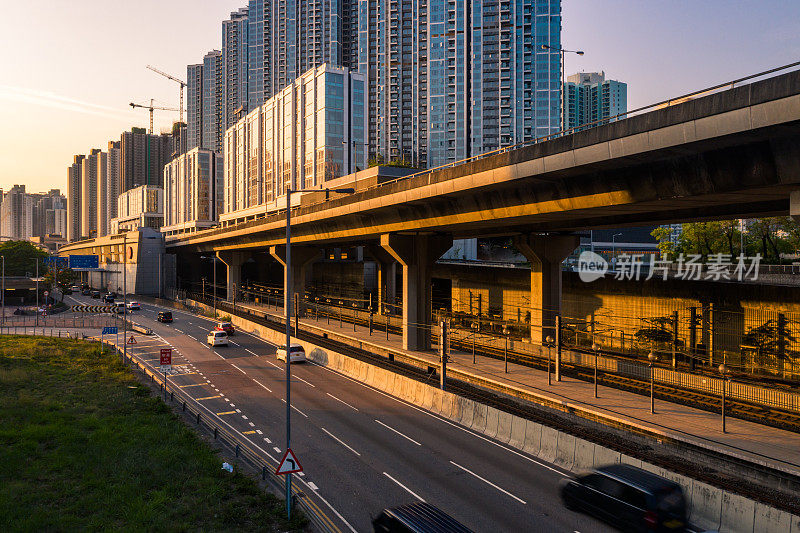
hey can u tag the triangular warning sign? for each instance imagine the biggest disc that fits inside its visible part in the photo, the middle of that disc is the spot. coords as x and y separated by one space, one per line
289 464
131 340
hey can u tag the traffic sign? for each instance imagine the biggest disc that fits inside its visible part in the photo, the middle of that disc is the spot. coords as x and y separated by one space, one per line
109 330
289 464
166 356
131 340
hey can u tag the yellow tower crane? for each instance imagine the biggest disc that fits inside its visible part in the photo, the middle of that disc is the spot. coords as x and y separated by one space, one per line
176 80
152 107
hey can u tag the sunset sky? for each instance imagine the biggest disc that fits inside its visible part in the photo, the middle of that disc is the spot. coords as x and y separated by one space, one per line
70 68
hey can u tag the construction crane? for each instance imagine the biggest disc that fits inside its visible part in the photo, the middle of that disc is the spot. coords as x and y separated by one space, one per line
152 107
176 80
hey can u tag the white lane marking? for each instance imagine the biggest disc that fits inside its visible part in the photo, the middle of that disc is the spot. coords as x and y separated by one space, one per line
304 381
446 421
259 432
414 494
312 486
273 364
251 351
488 482
233 405
334 437
277 450
238 410
267 440
344 402
251 424
179 331
296 409
244 416
219 354
234 343
239 369
261 385
401 434
193 337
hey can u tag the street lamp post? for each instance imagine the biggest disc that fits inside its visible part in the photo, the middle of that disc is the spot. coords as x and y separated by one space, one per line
37 291
474 327
506 331
287 293
651 357
595 348
723 369
549 341
4 288
562 51
614 249
214 283
124 297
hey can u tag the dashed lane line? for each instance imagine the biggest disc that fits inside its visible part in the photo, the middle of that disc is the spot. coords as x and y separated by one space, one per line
414 494
304 381
344 402
337 439
520 500
262 385
399 433
239 369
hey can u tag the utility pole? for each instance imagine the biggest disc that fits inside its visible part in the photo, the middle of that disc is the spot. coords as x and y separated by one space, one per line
125 297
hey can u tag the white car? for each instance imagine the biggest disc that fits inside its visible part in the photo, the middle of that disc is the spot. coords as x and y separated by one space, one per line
217 338
134 306
297 351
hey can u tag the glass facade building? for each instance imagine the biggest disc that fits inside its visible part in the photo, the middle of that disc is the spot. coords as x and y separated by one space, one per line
193 191
309 133
235 48
590 97
212 126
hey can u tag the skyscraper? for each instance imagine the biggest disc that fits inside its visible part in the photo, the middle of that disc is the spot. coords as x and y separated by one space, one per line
591 97
113 168
89 172
16 214
74 230
234 58
194 106
142 159
212 105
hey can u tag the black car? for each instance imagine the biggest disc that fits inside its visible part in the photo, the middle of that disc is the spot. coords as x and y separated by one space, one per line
419 517
108 298
95 294
629 498
86 291
66 291
164 316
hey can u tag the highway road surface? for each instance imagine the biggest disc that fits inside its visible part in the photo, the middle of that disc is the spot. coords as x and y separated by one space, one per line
361 450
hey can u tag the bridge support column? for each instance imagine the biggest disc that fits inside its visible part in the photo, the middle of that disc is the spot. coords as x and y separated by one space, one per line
234 261
387 278
302 256
794 205
416 253
545 253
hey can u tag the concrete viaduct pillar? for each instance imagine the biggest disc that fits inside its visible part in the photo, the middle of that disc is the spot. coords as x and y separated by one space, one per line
545 254
416 253
387 278
794 205
233 260
302 256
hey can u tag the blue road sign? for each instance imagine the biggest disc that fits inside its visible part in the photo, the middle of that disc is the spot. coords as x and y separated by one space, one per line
61 262
84 261
110 330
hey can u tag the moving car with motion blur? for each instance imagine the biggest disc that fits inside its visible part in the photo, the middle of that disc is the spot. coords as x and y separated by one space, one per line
134 306
86 291
108 299
227 327
628 498
95 294
164 317
217 338
418 517
297 354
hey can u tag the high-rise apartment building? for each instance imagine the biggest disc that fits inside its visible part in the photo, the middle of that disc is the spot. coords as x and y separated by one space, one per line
142 158
235 47
139 207
74 230
308 134
212 104
16 214
113 168
194 106
89 172
590 97
47 210
193 191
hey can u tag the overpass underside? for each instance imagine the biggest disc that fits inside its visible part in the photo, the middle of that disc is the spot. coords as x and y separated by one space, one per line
733 154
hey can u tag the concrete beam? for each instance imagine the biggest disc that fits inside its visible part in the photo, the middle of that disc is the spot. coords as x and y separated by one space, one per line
387 278
545 253
794 205
416 253
302 256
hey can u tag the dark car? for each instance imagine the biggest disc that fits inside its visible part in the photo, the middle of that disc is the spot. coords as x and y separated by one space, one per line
95 294
629 498
108 298
86 291
66 291
164 316
419 517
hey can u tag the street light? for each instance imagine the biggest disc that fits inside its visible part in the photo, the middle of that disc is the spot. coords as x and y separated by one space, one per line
563 68
506 331
614 249
4 288
652 358
595 348
549 341
474 327
723 369
288 308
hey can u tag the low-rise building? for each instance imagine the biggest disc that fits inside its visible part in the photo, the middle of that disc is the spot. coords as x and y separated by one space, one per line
141 207
193 191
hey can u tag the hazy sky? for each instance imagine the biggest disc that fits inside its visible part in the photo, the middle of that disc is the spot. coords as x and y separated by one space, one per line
69 68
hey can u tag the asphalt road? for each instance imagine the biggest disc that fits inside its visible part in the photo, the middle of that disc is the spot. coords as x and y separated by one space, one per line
361 450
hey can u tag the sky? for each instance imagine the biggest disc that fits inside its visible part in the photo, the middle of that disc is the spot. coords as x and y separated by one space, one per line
69 68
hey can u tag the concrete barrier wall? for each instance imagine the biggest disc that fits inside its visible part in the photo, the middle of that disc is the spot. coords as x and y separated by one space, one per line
710 507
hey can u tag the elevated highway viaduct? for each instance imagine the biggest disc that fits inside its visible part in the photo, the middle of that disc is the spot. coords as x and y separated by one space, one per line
731 154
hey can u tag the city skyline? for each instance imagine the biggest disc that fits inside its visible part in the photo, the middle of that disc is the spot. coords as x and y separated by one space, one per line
85 110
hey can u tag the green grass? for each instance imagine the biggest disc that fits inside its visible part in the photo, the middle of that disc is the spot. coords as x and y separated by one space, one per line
84 446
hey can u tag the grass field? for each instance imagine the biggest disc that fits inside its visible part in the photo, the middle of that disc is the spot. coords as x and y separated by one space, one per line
84 446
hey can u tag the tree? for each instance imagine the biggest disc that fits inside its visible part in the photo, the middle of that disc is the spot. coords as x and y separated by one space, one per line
20 258
66 278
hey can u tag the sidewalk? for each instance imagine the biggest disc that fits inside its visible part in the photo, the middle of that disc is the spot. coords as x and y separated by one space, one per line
777 448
